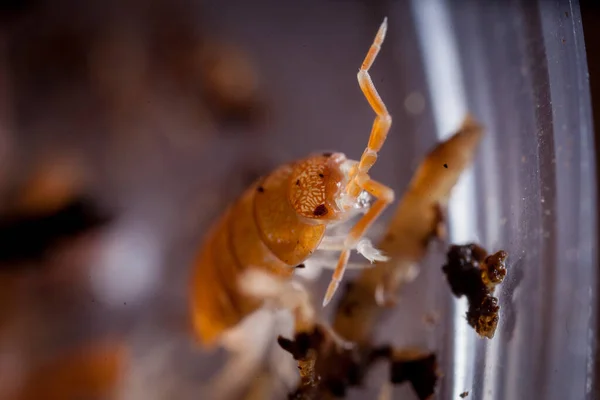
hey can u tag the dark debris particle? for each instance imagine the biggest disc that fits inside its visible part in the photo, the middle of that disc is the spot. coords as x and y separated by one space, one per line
567 14
349 307
446 166
484 317
321 176
336 369
302 343
286 344
297 182
300 266
494 269
260 189
380 352
472 273
462 270
30 237
320 210
464 394
337 388
327 154
421 373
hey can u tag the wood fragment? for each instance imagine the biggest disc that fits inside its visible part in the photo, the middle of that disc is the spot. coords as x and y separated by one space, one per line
415 223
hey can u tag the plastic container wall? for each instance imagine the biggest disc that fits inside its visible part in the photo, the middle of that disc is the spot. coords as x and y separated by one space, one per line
520 67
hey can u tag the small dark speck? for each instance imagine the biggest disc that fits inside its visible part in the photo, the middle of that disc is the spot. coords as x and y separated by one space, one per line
321 176
327 154
124 304
464 394
567 14
297 242
349 308
297 182
261 189
300 266
320 210
564 41
446 166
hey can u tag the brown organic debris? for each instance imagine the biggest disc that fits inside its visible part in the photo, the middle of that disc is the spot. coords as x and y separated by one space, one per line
417 368
472 273
328 368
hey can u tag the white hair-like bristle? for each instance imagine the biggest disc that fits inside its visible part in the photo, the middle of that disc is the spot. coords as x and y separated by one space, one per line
368 251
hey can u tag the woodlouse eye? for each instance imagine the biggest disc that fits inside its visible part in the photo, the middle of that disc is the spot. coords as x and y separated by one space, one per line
320 210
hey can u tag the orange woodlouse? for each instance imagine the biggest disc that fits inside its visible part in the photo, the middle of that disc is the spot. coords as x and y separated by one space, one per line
281 220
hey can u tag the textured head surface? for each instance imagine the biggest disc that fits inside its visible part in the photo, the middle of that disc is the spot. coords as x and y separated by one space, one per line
314 186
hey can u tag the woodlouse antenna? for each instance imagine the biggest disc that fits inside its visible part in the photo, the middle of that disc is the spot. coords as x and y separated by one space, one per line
383 120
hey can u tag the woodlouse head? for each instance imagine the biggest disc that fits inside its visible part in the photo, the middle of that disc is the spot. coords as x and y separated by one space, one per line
314 185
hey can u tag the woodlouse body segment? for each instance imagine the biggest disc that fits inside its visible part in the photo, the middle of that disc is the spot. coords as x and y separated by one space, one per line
285 233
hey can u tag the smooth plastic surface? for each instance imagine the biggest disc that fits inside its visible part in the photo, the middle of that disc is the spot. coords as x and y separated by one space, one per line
520 67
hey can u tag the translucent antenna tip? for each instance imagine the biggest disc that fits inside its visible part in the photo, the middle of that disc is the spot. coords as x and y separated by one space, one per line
383 27
333 285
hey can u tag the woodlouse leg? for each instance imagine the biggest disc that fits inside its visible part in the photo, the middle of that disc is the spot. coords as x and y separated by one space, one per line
332 243
383 121
280 293
384 195
324 262
349 266
315 266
